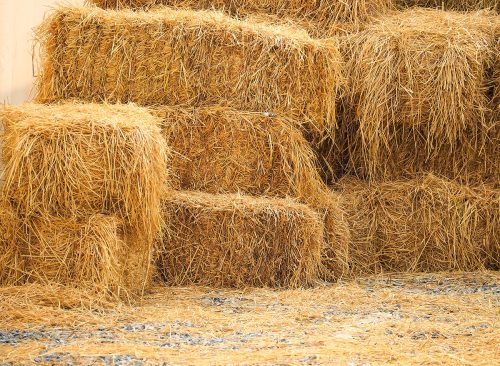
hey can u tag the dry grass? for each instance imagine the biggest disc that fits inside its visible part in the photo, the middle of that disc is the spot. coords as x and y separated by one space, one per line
394 320
184 57
238 241
321 18
72 159
459 5
418 97
421 225
222 150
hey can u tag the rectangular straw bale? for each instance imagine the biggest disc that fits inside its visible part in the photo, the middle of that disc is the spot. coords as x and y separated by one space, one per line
11 261
418 97
223 150
320 17
424 224
185 57
238 241
90 253
66 159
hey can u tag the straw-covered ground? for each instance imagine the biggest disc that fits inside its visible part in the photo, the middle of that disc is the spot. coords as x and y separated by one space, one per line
445 319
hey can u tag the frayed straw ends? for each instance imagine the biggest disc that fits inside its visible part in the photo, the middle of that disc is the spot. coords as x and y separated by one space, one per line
418 97
238 241
320 18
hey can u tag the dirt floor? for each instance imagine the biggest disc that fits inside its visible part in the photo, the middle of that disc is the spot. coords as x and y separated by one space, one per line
421 319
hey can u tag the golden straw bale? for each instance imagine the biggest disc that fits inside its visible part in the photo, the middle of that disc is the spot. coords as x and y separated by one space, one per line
238 241
11 261
64 160
459 5
421 224
222 150
319 17
185 57
418 97
90 253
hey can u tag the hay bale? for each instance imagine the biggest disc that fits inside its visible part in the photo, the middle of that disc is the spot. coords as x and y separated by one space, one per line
222 150
424 224
70 159
88 253
458 5
418 97
238 241
319 17
184 57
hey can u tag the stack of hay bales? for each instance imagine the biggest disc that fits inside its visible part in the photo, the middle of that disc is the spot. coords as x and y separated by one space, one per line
248 104
83 184
421 131
202 73
192 58
320 18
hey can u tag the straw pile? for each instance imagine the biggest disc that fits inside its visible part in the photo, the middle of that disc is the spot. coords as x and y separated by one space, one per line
319 17
418 97
459 5
66 159
184 57
238 241
422 224
222 150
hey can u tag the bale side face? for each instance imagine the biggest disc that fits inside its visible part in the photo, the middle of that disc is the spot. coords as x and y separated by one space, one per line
321 16
238 241
425 224
65 160
221 150
418 97
183 57
91 253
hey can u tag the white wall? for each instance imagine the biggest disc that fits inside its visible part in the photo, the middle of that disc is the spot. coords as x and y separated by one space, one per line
17 20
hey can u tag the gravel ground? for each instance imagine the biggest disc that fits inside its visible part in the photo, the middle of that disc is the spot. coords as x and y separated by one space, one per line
423 319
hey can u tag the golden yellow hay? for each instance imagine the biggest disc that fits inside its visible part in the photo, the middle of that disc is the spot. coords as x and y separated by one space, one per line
222 150
418 97
335 252
89 253
184 57
319 17
422 224
69 159
460 5
11 261
239 241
